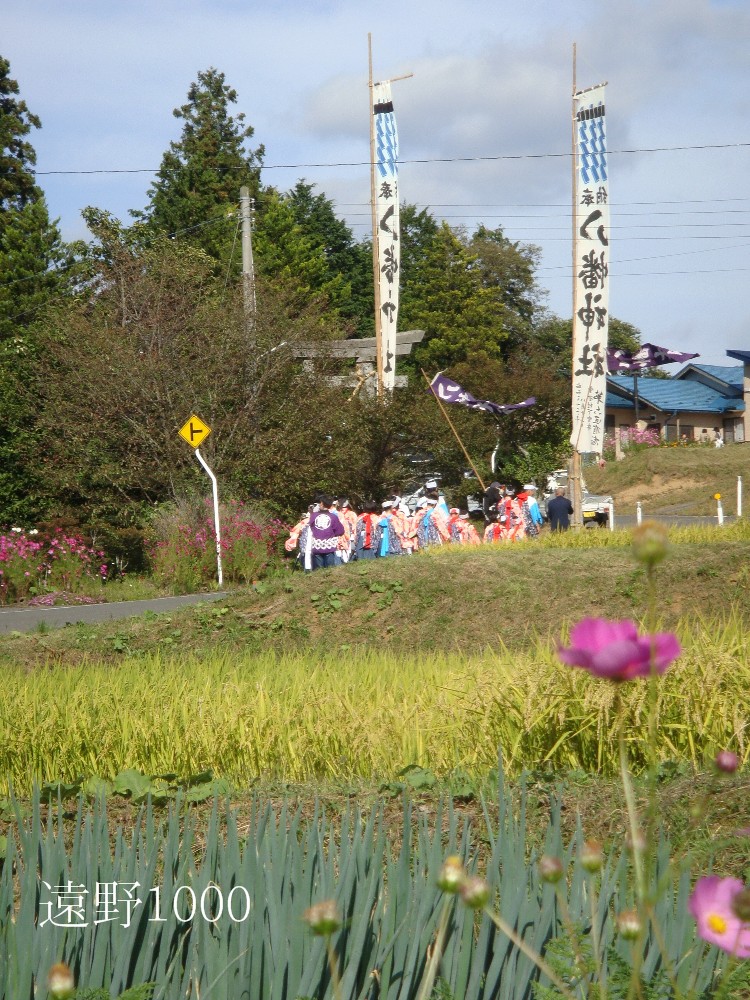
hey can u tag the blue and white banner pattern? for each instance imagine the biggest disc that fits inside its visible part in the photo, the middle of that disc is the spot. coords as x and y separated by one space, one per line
591 255
389 256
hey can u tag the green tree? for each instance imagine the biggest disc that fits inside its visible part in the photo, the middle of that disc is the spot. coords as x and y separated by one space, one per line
507 269
33 259
475 296
196 192
348 272
156 337
283 252
17 155
442 294
35 270
555 336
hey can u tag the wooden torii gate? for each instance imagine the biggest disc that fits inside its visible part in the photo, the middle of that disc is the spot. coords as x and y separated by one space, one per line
364 352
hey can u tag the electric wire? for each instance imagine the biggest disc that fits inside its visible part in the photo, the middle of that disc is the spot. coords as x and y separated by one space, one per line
423 160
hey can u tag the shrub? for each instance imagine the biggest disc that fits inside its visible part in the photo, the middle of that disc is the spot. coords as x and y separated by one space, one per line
183 546
36 562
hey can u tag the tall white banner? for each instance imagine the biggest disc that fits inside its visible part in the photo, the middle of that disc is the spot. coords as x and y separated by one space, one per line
386 180
591 274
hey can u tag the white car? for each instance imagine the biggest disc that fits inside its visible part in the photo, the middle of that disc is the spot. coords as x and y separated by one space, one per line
595 510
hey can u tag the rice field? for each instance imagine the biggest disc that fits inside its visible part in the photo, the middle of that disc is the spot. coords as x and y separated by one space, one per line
364 714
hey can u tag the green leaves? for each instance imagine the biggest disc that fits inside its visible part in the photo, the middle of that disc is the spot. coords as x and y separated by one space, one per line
222 912
138 787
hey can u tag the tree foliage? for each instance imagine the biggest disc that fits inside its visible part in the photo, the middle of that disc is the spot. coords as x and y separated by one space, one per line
102 360
35 270
34 263
17 155
474 296
155 338
196 192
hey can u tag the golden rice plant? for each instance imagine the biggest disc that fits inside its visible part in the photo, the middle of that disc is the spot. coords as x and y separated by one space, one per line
365 714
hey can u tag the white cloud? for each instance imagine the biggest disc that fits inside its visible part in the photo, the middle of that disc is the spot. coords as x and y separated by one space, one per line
489 80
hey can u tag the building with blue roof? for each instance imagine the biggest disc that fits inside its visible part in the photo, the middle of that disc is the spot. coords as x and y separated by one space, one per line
698 403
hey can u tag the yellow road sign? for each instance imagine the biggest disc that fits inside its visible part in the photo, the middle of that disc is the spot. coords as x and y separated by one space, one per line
195 431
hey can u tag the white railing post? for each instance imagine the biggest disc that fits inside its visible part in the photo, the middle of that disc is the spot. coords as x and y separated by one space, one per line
719 509
739 496
612 516
638 513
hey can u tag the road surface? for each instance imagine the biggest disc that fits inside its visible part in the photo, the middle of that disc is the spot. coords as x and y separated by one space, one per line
27 619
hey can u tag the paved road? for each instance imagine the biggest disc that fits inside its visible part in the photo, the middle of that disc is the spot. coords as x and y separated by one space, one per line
673 520
28 619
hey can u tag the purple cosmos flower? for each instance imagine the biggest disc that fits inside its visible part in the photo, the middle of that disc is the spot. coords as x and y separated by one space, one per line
616 651
711 905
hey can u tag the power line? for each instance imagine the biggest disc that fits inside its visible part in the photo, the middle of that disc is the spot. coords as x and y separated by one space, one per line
433 159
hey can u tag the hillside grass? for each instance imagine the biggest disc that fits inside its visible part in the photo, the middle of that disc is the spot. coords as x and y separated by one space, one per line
454 599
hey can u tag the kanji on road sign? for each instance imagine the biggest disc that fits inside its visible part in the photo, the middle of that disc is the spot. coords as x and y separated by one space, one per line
195 431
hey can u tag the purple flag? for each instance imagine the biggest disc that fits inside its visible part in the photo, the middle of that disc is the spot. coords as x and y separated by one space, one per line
647 356
449 391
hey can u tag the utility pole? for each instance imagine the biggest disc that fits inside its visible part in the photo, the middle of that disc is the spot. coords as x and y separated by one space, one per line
248 269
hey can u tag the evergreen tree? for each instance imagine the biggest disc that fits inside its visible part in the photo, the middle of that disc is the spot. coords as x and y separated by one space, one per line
283 252
442 293
555 336
34 271
348 269
33 258
17 155
196 194
507 268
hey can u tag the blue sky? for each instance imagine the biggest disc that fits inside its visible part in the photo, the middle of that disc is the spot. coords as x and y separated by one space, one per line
487 113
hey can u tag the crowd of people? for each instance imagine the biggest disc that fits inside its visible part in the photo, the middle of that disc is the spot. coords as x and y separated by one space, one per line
331 532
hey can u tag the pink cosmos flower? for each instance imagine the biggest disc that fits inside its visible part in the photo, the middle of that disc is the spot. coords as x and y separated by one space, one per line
615 650
727 761
711 905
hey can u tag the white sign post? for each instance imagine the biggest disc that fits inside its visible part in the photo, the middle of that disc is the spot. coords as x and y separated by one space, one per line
195 433
217 526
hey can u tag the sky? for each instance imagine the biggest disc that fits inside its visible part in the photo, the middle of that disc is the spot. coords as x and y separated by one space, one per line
484 123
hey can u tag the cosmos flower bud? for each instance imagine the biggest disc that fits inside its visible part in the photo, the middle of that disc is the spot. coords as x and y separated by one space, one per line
650 542
697 810
451 874
741 905
635 842
323 918
726 761
550 869
591 856
629 924
60 982
475 892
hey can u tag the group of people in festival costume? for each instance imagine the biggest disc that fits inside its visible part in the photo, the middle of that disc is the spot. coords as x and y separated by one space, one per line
331 532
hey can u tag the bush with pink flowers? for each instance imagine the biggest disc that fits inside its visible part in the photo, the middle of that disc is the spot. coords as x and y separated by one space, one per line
183 549
34 563
633 439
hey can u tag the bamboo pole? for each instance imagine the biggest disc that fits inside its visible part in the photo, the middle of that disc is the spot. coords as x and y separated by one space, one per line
575 477
450 424
375 248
